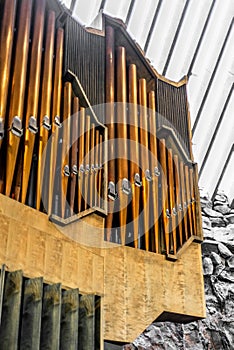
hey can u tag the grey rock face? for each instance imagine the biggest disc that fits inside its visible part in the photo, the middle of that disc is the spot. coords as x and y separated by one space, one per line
217 330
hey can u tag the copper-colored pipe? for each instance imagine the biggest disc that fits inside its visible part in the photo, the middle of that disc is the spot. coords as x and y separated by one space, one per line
172 205
18 88
184 201
193 203
110 98
74 145
33 94
96 168
57 90
122 164
144 157
66 129
87 161
91 177
199 231
81 142
134 163
178 198
164 194
100 174
154 164
6 41
45 103
188 199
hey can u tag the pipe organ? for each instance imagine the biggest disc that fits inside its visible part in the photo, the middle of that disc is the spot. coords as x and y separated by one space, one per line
90 131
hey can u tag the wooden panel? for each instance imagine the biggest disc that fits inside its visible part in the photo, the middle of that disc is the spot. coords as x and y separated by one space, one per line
31 315
87 323
51 315
9 329
69 320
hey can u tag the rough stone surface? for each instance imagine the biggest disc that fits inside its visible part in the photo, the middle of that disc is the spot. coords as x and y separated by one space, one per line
216 332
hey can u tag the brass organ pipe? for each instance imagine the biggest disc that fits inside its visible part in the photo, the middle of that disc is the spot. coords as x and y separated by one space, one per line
178 198
74 138
199 231
164 194
87 161
144 157
191 181
65 144
33 93
96 175
81 156
6 41
154 151
110 98
133 134
184 203
45 102
100 174
172 200
57 90
122 164
188 199
91 182
18 88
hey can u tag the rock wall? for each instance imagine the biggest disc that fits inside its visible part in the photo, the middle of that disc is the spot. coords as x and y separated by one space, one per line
217 330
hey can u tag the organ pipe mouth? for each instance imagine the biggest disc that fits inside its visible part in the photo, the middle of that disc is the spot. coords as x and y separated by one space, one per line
148 175
1 128
32 125
126 187
137 180
16 127
46 123
112 194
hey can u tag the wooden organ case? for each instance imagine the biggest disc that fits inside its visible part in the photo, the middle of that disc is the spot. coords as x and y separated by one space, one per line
98 187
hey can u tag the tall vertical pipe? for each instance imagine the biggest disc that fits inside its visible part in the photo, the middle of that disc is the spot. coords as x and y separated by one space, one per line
45 107
33 95
172 205
57 90
144 157
18 90
184 201
178 198
81 142
110 113
66 129
74 145
154 167
164 195
6 41
122 163
134 150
